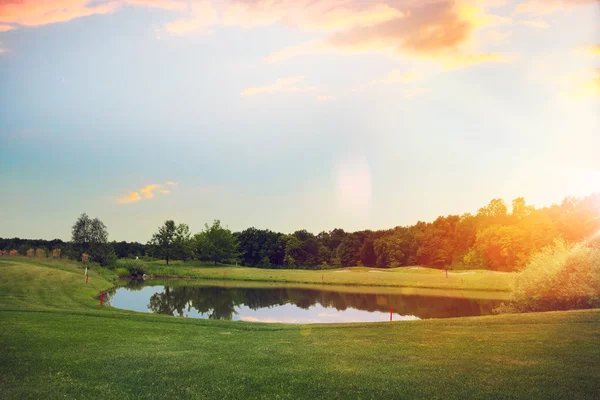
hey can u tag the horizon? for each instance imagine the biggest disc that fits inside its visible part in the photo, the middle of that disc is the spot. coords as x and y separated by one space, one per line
508 204
291 115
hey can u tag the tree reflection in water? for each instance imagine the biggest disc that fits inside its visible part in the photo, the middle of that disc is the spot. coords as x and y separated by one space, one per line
221 302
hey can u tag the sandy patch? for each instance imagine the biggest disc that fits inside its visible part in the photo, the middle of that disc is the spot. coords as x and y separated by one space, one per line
462 273
416 268
344 270
372 270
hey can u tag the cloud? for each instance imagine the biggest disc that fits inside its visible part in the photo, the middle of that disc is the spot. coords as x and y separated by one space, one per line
593 50
549 6
6 28
287 85
132 198
323 15
452 61
303 49
440 30
584 84
393 77
203 16
538 24
172 5
35 12
326 98
146 192
429 28
43 12
418 28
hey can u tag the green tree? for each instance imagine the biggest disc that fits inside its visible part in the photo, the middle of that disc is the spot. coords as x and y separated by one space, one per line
23 249
90 236
388 250
162 244
367 253
216 244
348 251
294 254
323 255
182 243
504 248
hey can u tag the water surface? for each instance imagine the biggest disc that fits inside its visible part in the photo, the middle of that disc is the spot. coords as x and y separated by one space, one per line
294 304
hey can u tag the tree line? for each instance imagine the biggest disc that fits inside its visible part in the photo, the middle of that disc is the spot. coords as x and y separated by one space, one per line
494 238
88 236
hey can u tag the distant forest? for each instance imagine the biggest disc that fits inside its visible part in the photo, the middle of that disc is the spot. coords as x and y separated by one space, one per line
495 238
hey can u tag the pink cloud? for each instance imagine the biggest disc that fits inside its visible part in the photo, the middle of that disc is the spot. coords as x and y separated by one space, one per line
43 12
441 30
35 12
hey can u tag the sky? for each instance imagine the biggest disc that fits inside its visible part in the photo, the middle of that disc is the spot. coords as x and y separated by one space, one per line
291 114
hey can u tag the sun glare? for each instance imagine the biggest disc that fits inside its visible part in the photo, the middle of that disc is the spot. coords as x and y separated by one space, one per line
353 181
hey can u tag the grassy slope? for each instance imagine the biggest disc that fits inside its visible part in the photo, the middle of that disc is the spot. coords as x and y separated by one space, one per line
56 342
398 277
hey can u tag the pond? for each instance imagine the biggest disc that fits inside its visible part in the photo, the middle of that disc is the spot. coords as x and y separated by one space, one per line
302 304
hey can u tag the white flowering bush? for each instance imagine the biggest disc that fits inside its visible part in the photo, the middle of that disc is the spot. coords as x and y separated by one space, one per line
560 277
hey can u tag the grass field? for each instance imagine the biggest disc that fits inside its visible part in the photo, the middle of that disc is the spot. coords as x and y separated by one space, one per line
393 277
56 342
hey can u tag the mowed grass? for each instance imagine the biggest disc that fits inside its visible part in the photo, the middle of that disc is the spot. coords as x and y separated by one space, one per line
393 277
56 342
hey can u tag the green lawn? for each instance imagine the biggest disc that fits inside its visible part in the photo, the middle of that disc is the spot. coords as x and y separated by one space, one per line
56 342
393 277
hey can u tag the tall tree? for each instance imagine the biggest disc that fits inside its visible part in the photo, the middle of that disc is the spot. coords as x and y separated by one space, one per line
162 243
347 253
367 253
216 243
90 236
182 243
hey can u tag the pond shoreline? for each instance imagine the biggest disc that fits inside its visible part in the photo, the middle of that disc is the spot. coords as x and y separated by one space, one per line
370 284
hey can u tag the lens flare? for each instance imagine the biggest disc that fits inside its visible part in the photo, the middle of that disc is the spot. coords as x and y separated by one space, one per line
353 181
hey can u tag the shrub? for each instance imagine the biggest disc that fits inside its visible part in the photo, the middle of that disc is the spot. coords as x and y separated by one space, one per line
133 267
108 259
560 277
122 272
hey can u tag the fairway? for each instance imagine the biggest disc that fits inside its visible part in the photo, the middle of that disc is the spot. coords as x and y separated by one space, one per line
57 342
418 277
